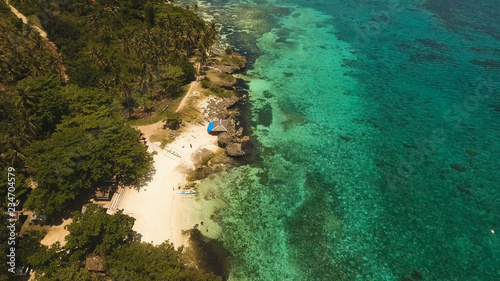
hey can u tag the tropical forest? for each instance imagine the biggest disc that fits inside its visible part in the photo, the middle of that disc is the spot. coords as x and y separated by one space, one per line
73 77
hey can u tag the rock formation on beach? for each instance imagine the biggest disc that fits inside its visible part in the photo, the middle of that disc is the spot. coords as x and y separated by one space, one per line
232 140
218 108
229 64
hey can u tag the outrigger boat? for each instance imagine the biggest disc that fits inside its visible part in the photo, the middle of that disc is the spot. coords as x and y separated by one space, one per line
187 192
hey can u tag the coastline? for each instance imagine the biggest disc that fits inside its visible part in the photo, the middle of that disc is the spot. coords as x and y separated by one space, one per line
160 212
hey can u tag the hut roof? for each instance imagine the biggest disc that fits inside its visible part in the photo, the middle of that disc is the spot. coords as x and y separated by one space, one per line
218 126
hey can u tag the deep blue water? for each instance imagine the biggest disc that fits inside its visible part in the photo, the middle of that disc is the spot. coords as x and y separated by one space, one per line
377 126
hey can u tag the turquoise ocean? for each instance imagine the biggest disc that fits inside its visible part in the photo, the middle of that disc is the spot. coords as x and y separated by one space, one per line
376 127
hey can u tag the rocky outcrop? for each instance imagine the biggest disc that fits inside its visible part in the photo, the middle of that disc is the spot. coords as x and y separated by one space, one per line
232 140
218 109
234 149
229 63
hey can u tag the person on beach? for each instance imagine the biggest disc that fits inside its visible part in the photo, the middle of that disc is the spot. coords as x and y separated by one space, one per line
201 222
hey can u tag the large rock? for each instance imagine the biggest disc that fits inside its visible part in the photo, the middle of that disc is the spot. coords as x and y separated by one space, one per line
217 108
234 149
227 103
223 139
232 140
239 133
229 63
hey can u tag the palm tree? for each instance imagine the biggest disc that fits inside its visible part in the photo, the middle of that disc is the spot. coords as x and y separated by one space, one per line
24 100
28 127
11 153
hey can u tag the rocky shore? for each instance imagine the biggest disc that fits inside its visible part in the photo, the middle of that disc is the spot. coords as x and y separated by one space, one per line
233 141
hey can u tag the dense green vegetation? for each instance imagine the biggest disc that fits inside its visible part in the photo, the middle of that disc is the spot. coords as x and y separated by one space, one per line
84 152
111 238
68 138
121 57
131 49
22 51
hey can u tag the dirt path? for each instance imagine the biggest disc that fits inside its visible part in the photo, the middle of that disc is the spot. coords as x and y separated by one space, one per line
43 34
184 100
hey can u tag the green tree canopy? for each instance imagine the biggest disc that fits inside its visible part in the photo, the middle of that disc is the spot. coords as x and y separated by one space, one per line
143 261
82 154
29 111
96 232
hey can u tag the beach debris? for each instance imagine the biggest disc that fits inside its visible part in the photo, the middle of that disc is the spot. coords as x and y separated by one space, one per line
164 108
458 167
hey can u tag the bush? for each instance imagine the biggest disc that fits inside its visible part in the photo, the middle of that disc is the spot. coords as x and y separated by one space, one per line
228 77
173 121
220 92
229 50
205 83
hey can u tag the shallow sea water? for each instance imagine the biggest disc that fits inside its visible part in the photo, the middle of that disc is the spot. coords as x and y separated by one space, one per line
377 130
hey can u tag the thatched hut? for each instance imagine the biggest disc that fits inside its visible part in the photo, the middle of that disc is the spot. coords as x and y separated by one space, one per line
218 126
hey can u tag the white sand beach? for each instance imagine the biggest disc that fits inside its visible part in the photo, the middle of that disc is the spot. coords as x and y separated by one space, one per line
160 212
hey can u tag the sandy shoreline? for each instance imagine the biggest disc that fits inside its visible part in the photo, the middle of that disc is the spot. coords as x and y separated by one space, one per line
160 212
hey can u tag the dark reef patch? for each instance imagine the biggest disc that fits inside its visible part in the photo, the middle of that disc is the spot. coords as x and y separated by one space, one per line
267 94
488 63
464 189
265 115
458 167
471 152
417 275
426 57
210 254
431 43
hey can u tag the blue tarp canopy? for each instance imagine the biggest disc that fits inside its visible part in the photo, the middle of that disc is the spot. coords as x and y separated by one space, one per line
210 126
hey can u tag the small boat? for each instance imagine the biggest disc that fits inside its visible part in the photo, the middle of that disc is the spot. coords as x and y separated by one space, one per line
187 192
